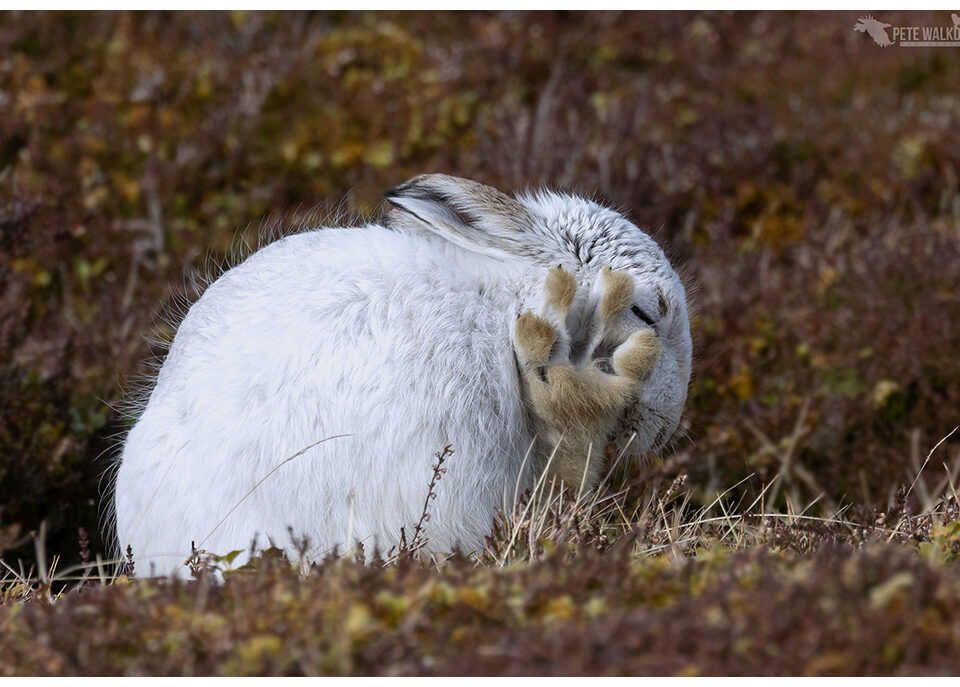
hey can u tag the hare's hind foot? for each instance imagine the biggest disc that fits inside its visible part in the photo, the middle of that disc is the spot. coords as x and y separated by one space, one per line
573 406
617 293
533 338
560 288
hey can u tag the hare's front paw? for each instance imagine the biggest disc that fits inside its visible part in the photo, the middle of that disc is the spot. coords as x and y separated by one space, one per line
575 406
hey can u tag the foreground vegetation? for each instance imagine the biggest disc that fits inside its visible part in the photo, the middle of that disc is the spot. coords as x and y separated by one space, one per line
804 178
563 587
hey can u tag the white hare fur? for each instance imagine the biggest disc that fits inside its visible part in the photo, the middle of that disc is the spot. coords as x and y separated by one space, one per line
398 335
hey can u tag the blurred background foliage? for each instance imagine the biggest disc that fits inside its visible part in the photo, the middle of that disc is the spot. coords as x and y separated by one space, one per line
805 179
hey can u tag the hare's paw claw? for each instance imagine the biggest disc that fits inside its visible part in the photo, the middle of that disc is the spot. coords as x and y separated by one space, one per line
636 356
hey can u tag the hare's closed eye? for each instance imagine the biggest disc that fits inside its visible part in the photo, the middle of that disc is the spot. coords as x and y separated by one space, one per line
642 316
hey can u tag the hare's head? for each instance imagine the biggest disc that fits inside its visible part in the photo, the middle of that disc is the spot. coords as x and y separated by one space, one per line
548 229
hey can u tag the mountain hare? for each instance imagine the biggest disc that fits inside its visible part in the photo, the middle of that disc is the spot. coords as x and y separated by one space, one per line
309 388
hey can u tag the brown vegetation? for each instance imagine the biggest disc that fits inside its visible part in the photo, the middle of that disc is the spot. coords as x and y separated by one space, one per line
805 178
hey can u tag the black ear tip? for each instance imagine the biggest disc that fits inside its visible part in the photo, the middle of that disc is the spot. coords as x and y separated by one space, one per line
405 189
414 187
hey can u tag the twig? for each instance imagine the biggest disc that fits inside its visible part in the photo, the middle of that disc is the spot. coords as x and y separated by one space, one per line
264 479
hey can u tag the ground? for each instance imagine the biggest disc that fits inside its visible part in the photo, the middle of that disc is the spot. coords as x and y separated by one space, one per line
803 178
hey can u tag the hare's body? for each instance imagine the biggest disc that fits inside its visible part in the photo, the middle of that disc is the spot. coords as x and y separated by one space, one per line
399 337
284 351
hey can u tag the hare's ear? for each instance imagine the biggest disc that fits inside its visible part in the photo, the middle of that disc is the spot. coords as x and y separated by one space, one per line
476 217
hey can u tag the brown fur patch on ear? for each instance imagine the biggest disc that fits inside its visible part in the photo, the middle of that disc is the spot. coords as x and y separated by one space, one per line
561 287
535 337
637 355
617 292
661 302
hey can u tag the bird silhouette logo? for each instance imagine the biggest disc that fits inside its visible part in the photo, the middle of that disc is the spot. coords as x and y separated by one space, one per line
956 20
876 29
